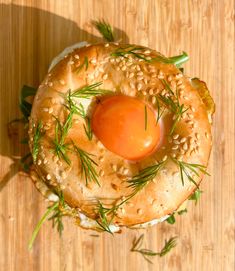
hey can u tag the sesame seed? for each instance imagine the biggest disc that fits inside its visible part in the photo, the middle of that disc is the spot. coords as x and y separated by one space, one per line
139 86
175 136
50 84
132 85
153 99
139 78
191 140
183 139
76 56
122 210
62 82
186 98
190 122
145 80
185 146
71 62
123 68
125 171
139 211
114 167
45 161
138 67
63 174
160 76
154 75
197 135
207 135
45 109
48 177
140 73
105 76
175 147
151 91
106 45
101 173
93 61
101 158
169 78
50 110
173 155
131 75
144 92
39 162
147 52
164 158
112 60
177 142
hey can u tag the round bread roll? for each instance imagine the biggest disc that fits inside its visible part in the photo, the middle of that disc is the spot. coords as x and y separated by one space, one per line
107 175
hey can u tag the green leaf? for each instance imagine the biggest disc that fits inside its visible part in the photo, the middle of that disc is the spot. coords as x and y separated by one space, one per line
105 29
196 195
25 106
171 219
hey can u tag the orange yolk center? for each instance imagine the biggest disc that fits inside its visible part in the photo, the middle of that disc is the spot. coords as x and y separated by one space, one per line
126 126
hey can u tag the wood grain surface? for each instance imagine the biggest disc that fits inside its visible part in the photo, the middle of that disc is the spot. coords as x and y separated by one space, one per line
31 34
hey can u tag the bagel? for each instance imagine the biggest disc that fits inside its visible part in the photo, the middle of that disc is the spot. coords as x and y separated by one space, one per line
108 175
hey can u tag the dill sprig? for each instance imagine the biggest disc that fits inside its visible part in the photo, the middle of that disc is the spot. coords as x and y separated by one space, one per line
26 161
146 175
186 169
134 51
171 101
36 138
130 50
58 214
83 65
89 91
85 92
56 210
103 220
160 110
105 29
147 253
137 183
60 147
87 165
196 195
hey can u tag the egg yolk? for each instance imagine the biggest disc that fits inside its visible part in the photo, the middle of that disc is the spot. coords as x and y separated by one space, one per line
126 126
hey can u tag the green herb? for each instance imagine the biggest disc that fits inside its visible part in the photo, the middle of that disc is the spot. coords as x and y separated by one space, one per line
171 219
187 169
25 106
147 253
145 176
182 211
60 147
87 128
103 220
85 92
134 51
83 65
138 182
55 210
172 103
145 117
58 214
87 165
26 161
130 50
89 91
196 195
105 29
159 110
36 138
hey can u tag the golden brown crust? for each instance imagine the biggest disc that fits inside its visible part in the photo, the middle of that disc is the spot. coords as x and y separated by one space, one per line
190 142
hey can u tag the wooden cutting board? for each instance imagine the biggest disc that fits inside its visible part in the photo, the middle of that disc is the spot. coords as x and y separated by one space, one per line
31 34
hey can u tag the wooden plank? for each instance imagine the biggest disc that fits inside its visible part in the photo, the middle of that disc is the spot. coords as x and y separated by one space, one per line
31 34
